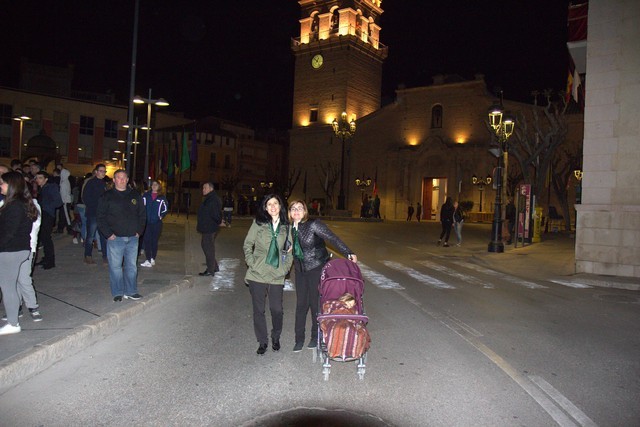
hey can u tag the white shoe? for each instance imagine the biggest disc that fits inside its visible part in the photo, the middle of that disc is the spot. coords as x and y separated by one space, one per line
75 240
10 329
146 264
153 261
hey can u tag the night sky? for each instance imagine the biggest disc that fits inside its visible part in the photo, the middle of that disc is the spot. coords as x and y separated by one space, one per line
233 58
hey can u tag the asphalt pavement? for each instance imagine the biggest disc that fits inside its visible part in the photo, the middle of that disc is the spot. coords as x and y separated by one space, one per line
77 307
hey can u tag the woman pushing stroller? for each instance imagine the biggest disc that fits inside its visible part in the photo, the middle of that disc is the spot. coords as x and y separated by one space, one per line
309 257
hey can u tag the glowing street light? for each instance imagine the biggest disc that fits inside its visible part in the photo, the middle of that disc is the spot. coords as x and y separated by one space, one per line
21 119
160 102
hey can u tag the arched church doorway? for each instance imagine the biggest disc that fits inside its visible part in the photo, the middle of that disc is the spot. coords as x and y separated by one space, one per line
434 192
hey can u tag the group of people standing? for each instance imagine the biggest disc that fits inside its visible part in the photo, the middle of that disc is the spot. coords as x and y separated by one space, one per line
113 213
277 239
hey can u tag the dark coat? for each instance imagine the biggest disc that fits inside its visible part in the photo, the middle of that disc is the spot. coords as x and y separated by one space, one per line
209 214
312 235
121 213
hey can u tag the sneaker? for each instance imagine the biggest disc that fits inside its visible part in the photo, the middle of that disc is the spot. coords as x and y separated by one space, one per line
446 245
134 297
75 240
35 315
146 264
19 314
298 347
458 244
439 242
89 260
313 343
117 298
10 329
153 261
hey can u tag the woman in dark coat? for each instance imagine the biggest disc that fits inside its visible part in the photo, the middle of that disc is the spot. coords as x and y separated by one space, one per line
309 256
446 219
17 215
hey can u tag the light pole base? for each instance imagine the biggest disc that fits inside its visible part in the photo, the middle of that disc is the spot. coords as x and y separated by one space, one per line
497 247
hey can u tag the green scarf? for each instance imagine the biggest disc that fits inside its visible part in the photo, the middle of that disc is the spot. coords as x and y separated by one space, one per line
273 256
297 249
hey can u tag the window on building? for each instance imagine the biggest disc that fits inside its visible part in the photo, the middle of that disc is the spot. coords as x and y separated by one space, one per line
6 114
436 116
5 146
36 118
227 161
60 121
212 160
313 115
86 125
110 128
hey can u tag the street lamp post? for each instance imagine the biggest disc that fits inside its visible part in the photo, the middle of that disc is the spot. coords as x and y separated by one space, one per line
266 186
481 182
135 143
21 119
343 129
149 101
502 125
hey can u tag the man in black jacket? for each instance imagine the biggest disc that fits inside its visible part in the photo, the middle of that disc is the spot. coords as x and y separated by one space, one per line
50 200
121 219
209 219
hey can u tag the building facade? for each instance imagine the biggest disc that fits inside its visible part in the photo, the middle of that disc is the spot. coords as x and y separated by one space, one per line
608 229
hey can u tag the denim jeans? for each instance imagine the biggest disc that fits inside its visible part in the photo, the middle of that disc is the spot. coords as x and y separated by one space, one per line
92 230
457 226
123 271
80 208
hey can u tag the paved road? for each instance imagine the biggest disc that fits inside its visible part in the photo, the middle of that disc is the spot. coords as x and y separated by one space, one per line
458 339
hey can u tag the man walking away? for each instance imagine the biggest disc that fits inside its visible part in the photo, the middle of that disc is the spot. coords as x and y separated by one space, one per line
94 188
49 199
121 216
209 218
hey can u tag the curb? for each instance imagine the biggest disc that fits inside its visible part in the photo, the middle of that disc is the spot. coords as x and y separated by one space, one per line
42 356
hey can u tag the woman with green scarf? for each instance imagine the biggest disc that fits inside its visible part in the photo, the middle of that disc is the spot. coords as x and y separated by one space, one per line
267 254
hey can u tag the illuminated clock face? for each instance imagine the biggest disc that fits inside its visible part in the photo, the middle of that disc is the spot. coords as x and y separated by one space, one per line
317 61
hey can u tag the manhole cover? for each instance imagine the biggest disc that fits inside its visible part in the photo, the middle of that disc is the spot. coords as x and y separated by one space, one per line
619 298
318 417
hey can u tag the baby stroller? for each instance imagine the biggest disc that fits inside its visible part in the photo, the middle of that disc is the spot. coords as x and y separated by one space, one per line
342 333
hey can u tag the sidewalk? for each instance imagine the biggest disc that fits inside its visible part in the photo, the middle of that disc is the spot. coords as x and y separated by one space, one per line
77 306
78 309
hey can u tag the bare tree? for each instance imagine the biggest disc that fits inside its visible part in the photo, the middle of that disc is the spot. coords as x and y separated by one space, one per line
328 177
229 183
292 180
536 140
562 171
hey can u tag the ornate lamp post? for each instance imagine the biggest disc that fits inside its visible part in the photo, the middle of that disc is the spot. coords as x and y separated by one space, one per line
481 182
266 186
502 125
149 101
21 119
344 130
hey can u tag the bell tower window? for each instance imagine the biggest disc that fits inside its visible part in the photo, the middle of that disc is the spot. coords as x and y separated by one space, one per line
436 117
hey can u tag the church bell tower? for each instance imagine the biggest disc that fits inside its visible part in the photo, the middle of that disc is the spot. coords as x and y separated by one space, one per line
338 61
338 68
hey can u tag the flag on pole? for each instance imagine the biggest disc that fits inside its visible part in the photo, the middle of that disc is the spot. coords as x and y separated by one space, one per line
194 148
170 164
163 159
186 162
573 82
176 156
375 183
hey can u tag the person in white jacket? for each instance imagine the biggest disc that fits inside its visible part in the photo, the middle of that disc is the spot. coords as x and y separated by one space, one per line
64 213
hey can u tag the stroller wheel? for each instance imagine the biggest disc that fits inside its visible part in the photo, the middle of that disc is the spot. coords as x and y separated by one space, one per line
325 373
